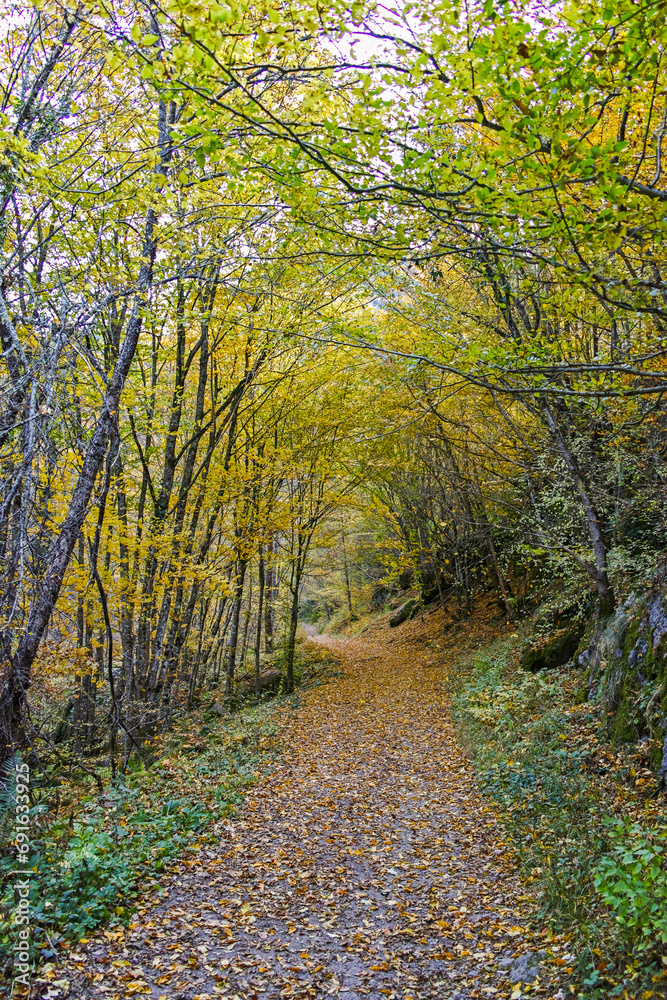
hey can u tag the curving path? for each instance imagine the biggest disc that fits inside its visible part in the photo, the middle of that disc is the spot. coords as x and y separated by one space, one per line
365 866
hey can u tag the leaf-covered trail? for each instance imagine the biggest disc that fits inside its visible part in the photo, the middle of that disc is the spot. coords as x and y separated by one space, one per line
364 866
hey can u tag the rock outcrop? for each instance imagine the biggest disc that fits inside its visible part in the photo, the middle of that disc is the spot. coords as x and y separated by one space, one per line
404 612
626 661
554 650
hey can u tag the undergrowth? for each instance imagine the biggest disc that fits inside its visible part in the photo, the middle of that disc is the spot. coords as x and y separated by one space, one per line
592 855
313 664
92 852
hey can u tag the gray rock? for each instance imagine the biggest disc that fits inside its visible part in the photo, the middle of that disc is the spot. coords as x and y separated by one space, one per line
663 766
637 653
403 612
526 968
657 619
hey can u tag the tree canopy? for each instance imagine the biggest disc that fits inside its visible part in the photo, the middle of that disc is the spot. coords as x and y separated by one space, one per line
275 273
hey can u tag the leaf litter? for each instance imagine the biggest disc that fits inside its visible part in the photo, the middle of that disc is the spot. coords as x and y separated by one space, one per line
365 865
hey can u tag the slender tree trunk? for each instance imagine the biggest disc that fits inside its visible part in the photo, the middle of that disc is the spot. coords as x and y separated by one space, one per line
246 627
258 636
502 583
271 578
293 625
195 672
125 685
220 648
598 570
346 572
234 630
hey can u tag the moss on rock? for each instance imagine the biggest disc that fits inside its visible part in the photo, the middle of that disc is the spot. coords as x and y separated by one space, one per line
627 660
554 651
622 729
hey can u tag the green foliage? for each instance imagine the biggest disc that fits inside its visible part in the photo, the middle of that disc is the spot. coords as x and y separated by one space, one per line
312 664
632 881
91 862
601 881
516 725
110 846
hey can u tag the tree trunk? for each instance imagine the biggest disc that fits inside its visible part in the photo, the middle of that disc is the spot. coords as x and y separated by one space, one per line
258 636
346 571
246 626
234 631
271 578
598 570
502 583
293 625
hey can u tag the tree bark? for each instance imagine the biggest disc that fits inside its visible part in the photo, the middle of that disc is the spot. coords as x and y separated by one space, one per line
293 625
234 630
270 586
346 572
502 583
258 636
597 570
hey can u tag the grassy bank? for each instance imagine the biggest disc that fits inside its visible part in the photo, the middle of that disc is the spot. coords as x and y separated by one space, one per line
585 818
93 852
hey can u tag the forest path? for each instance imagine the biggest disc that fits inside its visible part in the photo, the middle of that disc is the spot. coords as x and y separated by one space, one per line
365 865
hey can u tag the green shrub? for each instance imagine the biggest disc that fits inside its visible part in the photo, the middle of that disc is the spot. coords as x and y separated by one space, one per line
85 873
603 882
632 881
90 861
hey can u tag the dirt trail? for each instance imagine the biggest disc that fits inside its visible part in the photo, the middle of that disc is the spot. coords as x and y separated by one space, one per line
364 866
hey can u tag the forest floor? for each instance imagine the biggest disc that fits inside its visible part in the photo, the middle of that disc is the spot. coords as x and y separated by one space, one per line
365 865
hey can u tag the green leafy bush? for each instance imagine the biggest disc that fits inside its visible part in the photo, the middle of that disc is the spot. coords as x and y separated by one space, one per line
515 724
82 886
602 882
90 860
85 873
632 881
